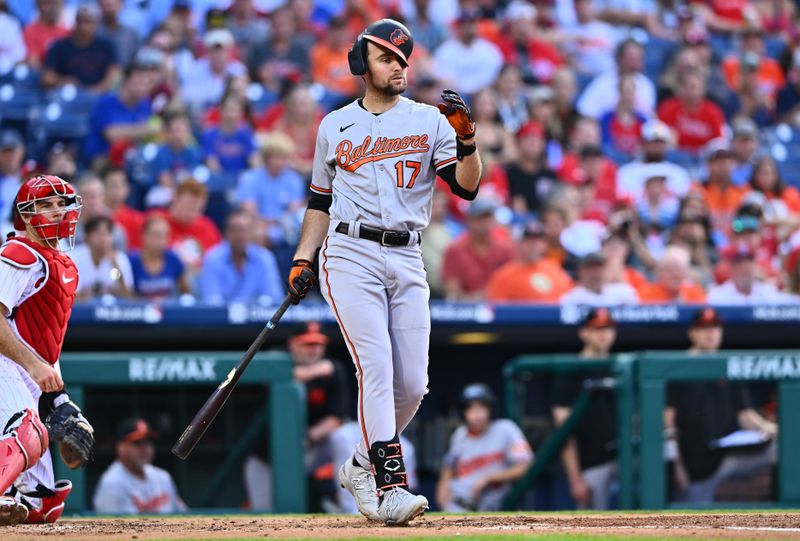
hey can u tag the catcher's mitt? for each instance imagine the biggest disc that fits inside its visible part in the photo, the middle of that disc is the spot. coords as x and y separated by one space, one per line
457 113
75 436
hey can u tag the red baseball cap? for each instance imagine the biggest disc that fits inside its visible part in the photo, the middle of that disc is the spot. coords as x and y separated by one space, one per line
530 128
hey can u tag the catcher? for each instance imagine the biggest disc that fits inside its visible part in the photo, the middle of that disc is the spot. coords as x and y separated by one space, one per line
37 289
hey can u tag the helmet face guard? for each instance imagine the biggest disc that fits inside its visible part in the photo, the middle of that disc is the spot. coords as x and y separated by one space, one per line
30 198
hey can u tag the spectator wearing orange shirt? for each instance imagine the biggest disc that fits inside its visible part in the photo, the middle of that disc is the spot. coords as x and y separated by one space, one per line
532 277
329 64
43 31
722 197
781 201
470 261
695 119
672 283
616 250
770 75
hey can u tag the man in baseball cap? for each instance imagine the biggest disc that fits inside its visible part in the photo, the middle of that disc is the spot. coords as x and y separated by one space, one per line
132 485
656 139
700 414
589 457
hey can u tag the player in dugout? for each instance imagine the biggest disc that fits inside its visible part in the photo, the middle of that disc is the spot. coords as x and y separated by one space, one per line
485 456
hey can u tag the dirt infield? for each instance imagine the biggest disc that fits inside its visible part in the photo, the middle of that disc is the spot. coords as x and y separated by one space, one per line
772 525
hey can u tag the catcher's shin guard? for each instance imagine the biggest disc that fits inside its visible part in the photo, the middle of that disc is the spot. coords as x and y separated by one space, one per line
24 442
52 506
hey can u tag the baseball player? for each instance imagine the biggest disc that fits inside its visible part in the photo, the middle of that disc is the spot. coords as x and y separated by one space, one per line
375 164
485 456
132 484
37 288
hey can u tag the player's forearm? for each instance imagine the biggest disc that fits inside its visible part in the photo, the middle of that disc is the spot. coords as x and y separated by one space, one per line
510 474
569 458
468 169
322 429
315 227
14 349
749 419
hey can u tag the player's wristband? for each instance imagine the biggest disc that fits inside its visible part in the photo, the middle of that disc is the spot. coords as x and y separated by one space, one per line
463 150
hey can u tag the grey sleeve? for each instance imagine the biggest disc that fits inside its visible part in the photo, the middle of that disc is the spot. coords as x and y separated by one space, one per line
322 172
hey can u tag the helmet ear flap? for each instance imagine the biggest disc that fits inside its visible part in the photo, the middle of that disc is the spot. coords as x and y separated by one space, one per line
356 57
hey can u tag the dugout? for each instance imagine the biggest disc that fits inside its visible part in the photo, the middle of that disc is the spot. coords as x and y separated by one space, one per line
168 389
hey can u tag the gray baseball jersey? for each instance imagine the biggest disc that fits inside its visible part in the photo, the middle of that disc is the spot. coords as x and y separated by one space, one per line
473 456
382 166
381 171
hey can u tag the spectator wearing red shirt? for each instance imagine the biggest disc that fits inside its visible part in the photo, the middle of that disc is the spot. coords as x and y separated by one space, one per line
522 45
695 119
43 31
622 126
193 234
130 220
470 261
298 116
749 231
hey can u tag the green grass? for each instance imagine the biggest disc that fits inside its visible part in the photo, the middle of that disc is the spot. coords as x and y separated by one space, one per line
484 537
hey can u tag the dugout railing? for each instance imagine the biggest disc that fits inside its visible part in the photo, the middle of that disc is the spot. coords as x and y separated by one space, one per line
656 369
639 381
281 407
612 375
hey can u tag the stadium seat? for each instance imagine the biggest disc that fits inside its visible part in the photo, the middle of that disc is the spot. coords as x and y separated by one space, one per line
18 105
72 99
260 98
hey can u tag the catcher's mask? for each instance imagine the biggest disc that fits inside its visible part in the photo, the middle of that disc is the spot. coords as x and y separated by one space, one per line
32 194
386 32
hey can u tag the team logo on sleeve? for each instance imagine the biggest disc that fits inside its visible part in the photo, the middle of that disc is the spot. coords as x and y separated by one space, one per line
398 37
350 157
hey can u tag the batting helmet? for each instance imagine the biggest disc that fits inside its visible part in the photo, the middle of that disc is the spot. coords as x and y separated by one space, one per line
479 392
36 190
385 32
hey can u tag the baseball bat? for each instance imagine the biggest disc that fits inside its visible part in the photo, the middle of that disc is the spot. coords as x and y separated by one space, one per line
205 416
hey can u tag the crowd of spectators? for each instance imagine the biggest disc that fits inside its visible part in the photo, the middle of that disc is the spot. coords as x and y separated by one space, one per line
634 151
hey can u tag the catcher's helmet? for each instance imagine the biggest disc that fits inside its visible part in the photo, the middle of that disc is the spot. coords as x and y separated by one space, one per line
385 32
37 189
479 392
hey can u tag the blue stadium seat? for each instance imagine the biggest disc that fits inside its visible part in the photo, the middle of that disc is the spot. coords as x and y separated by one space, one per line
773 46
18 104
22 76
790 171
260 98
72 99
656 54
53 124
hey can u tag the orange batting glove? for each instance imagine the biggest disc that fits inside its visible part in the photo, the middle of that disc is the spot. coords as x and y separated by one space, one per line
301 279
457 113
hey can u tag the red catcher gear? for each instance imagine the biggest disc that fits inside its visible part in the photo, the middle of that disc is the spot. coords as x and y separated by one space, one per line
25 441
42 318
36 190
52 506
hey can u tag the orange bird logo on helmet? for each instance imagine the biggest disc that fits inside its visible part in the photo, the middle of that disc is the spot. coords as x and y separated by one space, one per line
398 37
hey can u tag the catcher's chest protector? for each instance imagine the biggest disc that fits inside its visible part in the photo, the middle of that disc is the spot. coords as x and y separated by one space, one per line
42 318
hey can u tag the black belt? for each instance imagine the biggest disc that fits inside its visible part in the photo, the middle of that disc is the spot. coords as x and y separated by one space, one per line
381 236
